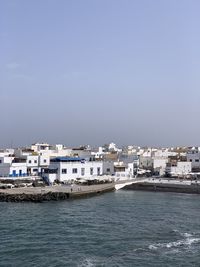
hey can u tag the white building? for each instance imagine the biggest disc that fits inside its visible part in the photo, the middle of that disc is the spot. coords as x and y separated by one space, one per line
181 168
146 162
99 153
193 156
13 167
31 158
125 170
68 168
44 149
113 147
159 165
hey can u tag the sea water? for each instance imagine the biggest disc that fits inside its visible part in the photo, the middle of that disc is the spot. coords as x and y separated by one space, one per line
122 228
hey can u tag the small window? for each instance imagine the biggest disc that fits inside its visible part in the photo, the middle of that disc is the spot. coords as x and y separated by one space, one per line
29 161
45 160
64 171
196 160
35 161
82 171
91 171
74 170
190 160
108 170
98 171
0 161
35 170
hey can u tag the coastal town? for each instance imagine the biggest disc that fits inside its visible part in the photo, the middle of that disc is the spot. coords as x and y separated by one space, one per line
58 162
42 165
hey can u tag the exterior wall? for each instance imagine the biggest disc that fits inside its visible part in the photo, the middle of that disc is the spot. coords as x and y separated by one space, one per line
19 168
194 158
32 164
55 153
65 170
40 146
32 161
52 177
108 168
132 168
146 162
51 151
164 153
125 174
7 152
15 169
44 160
159 165
4 169
6 159
98 154
182 168
86 154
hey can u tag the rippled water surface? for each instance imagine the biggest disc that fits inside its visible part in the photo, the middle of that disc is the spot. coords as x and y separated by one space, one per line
123 228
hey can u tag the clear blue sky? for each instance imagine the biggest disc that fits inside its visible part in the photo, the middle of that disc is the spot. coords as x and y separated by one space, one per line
97 71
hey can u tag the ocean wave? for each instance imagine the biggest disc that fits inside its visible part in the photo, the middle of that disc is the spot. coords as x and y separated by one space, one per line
87 263
186 235
183 234
188 241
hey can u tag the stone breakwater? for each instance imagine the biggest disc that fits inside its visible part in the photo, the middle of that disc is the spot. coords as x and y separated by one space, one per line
53 193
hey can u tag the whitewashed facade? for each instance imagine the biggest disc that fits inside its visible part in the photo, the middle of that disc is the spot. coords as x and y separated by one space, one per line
193 156
65 168
159 165
12 168
180 168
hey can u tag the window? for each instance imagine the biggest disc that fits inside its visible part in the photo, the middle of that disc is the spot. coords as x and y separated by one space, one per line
35 170
45 161
0 161
35 161
64 171
98 171
91 171
196 160
29 161
190 160
82 171
74 170
108 170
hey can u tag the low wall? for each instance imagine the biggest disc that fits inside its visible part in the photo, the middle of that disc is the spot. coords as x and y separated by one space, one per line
13 195
165 187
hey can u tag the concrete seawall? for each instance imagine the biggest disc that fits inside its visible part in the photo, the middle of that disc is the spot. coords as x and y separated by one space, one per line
178 187
40 194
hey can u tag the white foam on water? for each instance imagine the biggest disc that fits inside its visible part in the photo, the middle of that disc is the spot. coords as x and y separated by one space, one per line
187 242
187 235
182 234
191 241
153 247
87 263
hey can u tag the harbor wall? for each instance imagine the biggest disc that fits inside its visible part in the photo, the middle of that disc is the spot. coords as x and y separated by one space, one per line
165 187
26 196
